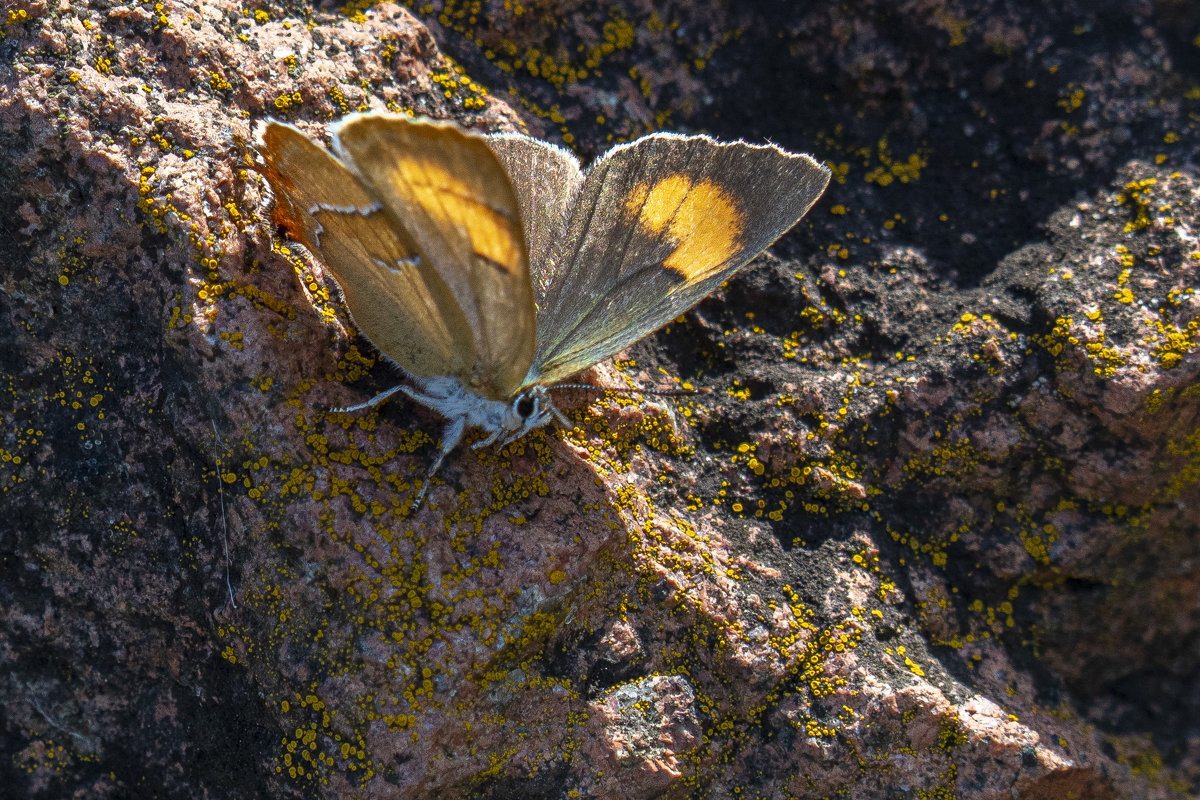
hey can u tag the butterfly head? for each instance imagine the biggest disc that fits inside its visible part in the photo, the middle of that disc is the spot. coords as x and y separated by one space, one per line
530 408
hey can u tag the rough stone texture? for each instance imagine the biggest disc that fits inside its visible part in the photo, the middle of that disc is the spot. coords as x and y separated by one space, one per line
933 534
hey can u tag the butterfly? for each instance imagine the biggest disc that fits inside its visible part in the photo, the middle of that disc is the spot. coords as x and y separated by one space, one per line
491 267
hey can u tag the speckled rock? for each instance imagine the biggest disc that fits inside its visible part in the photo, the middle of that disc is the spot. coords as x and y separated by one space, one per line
933 533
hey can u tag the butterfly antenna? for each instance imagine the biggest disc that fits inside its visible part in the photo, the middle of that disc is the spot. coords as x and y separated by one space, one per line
652 392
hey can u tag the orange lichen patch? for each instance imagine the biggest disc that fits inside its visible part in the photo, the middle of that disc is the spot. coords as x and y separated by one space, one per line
78 394
878 164
956 27
891 169
46 756
1171 342
1136 195
15 16
391 595
1072 97
455 83
527 40
1068 340
1183 451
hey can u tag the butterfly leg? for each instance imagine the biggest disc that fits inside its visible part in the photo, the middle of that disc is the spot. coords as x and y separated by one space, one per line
447 398
492 437
563 422
450 436
374 401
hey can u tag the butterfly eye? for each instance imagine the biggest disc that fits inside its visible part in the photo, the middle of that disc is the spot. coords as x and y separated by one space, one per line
525 406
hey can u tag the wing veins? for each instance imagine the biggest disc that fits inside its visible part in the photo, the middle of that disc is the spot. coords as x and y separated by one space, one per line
597 307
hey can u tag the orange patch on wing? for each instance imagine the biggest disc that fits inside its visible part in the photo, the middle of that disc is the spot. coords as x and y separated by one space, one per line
495 233
701 219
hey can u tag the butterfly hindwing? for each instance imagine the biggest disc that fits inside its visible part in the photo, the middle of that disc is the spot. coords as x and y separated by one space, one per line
400 304
655 226
547 179
453 197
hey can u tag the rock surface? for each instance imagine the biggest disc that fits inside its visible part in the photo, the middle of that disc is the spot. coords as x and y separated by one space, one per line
932 534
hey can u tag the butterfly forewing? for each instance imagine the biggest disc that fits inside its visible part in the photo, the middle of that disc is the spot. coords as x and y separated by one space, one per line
451 194
397 300
657 225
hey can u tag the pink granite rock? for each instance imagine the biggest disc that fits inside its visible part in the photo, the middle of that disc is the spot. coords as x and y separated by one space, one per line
932 534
